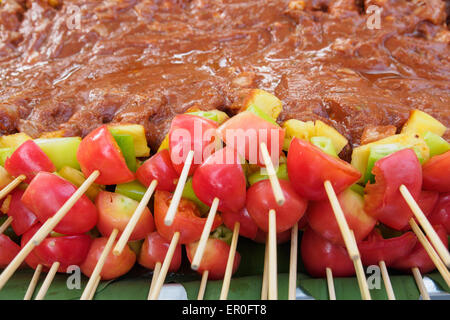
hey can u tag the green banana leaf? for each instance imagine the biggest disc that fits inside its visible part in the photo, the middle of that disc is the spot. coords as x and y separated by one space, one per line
246 283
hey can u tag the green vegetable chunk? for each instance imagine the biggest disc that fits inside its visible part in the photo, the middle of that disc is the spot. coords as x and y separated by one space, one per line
262 174
205 114
325 144
188 193
5 153
126 144
61 151
436 144
260 113
134 190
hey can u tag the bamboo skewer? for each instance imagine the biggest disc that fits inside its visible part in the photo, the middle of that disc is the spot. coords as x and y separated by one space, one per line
386 280
33 283
170 215
423 221
420 284
272 271
48 281
156 271
11 186
274 182
431 252
293 263
230 263
99 266
202 289
94 289
349 240
165 266
360 275
265 277
205 235
125 236
330 284
6 224
45 229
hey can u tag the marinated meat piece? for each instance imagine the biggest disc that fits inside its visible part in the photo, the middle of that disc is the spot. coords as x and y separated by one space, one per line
73 65
375 133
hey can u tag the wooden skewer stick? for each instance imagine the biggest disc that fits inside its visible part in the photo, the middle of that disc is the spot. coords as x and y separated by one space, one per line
5 225
165 266
201 290
33 283
349 240
156 271
94 289
48 281
423 221
360 275
330 283
205 235
170 215
46 228
420 284
230 263
293 263
386 280
273 278
265 279
431 252
11 186
99 266
274 182
125 236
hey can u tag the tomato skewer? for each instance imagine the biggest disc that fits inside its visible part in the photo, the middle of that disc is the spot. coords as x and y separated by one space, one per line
230 263
33 282
11 186
48 281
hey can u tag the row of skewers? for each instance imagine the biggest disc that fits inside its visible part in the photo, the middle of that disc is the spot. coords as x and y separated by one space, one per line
192 170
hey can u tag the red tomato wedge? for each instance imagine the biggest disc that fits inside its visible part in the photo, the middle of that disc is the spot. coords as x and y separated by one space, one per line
99 151
23 218
67 250
375 248
318 254
221 176
48 192
115 211
190 132
441 212
214 259
154 250
436 173
159 167
8 250
260 200
246 131
115 266
29 160
187 219
383 199
321 217
418 257
248 227
309 167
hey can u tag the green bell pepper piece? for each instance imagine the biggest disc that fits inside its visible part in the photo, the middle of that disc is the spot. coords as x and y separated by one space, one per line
359 189
325 144
134 190
222 233
5 153
437 144
188 193
61 151
262 175
260 113
205 114
126 144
